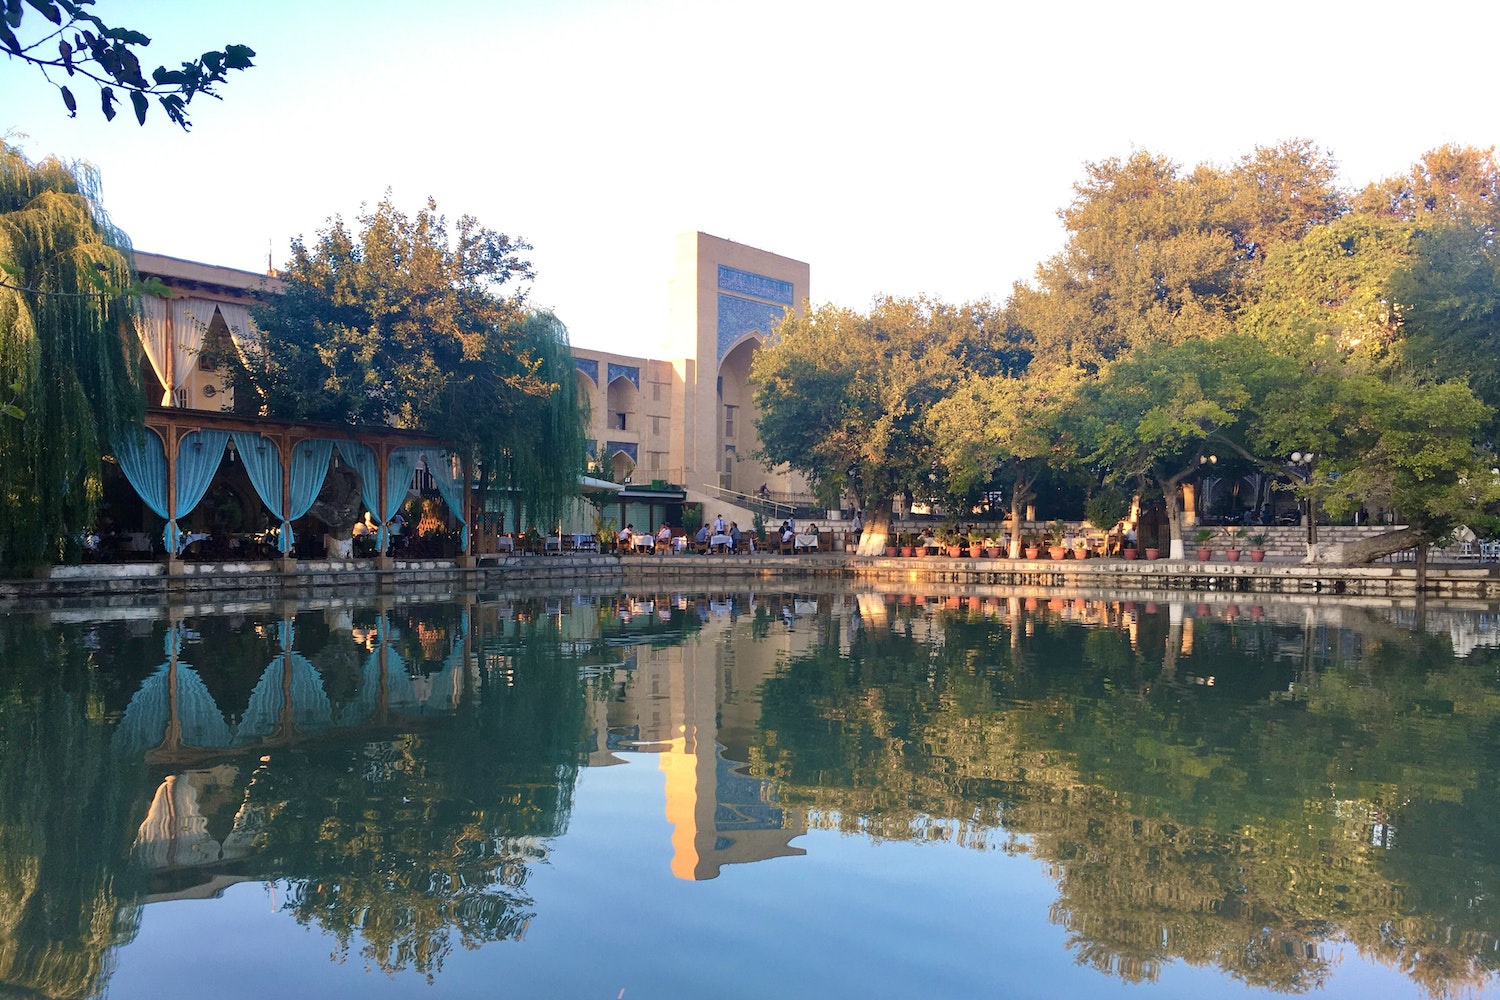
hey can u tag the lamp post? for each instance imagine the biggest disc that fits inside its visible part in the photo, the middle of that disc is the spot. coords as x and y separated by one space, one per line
1301 463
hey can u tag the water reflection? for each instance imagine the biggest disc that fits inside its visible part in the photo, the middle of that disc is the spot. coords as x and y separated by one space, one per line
1242 787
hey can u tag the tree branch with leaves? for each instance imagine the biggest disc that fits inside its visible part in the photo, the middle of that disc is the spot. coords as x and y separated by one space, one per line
78 43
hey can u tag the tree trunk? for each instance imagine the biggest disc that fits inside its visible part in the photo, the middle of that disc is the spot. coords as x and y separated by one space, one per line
1172 492
1015 524
876 530
1367 550
339 503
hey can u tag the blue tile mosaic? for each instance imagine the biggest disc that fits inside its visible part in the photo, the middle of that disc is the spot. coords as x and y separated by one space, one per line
748 283
611 448
589 367
738 317
632 372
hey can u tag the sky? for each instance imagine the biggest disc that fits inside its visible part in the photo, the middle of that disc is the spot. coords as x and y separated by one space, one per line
898 149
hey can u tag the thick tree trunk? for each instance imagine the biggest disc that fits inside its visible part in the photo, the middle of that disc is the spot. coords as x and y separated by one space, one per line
339 503
877 528
1015 524
1172 491
1367 550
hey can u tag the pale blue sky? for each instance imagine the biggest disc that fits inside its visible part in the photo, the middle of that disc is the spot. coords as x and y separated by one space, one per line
897 148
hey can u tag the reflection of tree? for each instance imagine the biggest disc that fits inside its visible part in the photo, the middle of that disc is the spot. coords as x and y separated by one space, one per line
411 842
1205 815
65 823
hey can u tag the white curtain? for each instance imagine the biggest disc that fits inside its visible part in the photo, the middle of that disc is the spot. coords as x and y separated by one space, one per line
174 326
242 330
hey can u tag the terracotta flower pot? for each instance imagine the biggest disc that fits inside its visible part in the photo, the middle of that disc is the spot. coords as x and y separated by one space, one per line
1204 555
1032 553
1057 552
906 551
992 551
891 550
1128 554
975 550
1257 555
1233 555
954 551
1153 553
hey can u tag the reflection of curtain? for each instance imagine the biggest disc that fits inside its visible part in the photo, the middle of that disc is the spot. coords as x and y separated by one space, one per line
310 711
440 464
198 458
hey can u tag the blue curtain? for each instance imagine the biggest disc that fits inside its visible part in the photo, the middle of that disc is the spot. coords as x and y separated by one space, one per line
263 464
440 464
398 473
198 458
362 459
143 459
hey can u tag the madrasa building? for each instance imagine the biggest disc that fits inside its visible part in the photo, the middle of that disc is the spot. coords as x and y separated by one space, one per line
684 423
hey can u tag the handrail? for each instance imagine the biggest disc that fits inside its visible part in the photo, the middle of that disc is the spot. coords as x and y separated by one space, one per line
752 502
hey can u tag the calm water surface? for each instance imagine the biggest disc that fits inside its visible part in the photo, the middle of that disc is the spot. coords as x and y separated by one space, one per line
751 795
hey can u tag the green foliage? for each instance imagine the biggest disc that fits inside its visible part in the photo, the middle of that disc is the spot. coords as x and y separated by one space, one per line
842 396
1107 508
408 325
67 352
108 56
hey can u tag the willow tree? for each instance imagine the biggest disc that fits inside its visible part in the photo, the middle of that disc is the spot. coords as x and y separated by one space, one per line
537 452
65 352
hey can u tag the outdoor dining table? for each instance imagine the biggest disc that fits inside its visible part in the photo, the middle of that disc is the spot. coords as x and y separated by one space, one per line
805 542
718 542
643 543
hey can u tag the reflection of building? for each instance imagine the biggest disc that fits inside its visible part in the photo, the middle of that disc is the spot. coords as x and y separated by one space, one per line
693 704
690 419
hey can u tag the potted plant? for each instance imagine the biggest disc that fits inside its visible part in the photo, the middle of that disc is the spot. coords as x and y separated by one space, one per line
907 543
1029 546
991 548
1232 544
1257 548
1203 537
1055 532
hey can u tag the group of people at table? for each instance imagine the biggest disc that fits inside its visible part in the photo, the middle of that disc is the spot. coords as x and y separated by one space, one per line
720 536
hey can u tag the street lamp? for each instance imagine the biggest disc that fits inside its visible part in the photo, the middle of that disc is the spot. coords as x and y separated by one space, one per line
1302 465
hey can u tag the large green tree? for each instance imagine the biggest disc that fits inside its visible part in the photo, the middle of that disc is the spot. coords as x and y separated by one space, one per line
410 324
64 39
67 349
843 396
1006 428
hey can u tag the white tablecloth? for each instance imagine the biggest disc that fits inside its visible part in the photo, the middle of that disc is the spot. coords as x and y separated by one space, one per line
718 540
806 542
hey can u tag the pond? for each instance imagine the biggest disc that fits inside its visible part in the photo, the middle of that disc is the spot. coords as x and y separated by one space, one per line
751 794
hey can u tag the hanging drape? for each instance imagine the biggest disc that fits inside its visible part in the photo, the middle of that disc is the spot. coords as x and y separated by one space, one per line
173 328
243 332
441 465
402 463
143 459
263 465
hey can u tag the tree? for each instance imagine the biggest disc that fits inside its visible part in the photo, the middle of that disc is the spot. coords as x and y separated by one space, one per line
67 348
1006 426
1150 419
108 56
1408 447
842 396
403 325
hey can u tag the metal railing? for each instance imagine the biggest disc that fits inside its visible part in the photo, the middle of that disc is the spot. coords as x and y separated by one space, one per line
772 506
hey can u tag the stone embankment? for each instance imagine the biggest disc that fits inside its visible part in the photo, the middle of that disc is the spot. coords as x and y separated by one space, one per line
206 583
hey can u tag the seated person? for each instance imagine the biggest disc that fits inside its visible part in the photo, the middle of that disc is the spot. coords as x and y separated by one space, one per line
734 536
663 536
704 533
626 534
